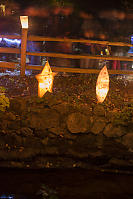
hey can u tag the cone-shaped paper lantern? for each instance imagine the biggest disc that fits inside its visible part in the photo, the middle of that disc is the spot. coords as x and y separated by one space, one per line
102 86
45 80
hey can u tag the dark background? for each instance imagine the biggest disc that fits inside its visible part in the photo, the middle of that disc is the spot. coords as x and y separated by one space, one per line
85 4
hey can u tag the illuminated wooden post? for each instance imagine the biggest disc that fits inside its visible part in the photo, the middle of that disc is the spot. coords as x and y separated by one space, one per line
24 23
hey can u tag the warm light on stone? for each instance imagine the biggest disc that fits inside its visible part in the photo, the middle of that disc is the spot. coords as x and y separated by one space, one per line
102 86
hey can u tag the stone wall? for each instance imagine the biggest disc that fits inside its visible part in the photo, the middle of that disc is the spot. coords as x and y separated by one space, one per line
68 128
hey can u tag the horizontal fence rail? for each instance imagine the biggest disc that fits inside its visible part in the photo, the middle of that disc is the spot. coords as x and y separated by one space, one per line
9 50
11 36
78 70
8 64
40 38
62 55
33 38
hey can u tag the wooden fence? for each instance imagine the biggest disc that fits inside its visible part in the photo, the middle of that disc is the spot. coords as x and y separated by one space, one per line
23 53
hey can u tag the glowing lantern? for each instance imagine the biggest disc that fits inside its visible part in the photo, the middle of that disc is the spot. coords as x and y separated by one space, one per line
102 86
45 80
24 21
3 9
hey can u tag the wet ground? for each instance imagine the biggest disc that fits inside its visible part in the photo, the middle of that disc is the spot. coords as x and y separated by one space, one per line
68 183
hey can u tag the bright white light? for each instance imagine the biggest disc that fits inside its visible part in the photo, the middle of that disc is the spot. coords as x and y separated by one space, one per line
11 40
24 21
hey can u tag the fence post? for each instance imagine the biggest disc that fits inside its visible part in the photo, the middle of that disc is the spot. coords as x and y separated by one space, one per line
24 23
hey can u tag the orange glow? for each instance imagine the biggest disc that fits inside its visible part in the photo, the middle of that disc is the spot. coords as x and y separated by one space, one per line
102 86
24 21
45 80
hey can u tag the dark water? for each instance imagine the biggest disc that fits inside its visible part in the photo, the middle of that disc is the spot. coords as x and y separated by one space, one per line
68 183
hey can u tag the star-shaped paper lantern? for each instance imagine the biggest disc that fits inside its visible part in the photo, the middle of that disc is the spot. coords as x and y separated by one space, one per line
102 86
45 80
